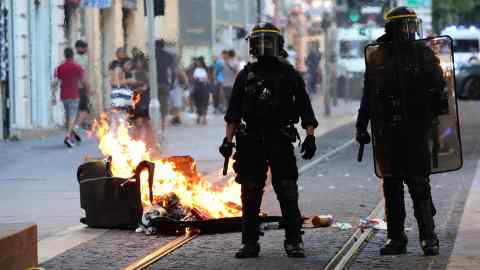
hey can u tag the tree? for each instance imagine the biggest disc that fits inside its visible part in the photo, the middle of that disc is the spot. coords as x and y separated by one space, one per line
446 12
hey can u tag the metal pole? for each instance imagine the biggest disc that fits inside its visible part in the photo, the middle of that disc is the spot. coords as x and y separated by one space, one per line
259 11
213 6
152 65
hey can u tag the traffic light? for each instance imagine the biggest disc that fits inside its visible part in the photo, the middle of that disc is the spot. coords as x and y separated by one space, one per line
353 10
158 7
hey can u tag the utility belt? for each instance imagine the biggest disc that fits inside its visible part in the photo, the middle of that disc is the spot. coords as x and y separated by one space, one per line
260 133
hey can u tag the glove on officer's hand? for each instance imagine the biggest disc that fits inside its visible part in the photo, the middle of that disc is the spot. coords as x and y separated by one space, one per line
226 148
308 147
363 137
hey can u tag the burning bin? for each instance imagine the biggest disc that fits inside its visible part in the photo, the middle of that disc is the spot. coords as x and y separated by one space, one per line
110 202
115 202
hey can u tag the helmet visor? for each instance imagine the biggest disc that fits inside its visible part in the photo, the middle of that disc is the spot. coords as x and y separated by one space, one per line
264 44
408 28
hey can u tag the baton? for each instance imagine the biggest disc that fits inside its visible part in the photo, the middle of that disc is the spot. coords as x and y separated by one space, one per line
225 165
360 152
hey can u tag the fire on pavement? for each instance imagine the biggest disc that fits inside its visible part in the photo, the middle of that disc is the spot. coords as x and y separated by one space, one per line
175 187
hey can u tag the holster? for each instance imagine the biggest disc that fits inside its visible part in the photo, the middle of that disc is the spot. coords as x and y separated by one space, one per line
291 133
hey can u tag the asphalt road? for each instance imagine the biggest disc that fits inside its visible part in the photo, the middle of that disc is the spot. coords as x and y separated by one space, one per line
339 186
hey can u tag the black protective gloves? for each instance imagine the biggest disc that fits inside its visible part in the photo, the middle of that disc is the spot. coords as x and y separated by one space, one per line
308 147
226 148
363 137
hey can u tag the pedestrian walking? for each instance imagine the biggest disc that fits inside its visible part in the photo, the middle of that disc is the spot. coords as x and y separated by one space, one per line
141 102
404 96
218 97
312 61
177 96
269 96
230 71
200 90
120 92
70 75
81 58
166 73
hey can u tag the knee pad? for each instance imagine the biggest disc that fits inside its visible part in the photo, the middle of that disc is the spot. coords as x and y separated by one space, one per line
251 190
286 190
419 189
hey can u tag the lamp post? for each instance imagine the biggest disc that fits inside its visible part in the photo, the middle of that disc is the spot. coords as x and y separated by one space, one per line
152 66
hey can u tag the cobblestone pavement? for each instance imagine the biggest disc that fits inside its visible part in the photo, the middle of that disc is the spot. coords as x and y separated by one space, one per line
449 192
340 186
112 250
117 248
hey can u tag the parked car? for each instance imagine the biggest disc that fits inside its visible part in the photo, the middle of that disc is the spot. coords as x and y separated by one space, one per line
468 81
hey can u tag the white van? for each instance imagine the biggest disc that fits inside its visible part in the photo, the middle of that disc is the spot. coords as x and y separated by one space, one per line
350 60
465 43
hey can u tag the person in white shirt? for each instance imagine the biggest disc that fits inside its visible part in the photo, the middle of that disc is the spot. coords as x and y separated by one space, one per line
200 92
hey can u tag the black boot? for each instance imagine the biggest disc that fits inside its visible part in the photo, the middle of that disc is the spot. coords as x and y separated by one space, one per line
430 247
294 250
248 251
394 247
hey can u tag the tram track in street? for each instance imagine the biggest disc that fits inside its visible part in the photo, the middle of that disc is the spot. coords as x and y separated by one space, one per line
159 253
348 251
163 251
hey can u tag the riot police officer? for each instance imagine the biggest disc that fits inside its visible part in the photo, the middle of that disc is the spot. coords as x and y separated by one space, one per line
269 97
402 98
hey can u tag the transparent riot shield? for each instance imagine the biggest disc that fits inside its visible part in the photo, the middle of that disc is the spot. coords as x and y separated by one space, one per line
413 107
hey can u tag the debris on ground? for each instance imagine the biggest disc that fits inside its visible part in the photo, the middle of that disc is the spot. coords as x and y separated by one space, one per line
343 226
374 223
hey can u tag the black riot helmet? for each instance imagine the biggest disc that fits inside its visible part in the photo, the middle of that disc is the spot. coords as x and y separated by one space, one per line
403 24
265 40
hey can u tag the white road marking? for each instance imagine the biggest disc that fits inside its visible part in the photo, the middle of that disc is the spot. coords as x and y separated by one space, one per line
326 156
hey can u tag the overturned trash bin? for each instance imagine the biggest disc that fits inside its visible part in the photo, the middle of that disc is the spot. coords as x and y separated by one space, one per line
110 202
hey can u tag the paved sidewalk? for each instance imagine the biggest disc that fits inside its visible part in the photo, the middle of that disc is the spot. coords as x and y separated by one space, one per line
38 177
466 251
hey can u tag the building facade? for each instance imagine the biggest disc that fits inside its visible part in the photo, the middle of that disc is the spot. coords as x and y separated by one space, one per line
39 30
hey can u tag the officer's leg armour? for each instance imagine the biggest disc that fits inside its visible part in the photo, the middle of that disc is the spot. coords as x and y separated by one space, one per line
284 181
287 194
424 210
394 207
252 192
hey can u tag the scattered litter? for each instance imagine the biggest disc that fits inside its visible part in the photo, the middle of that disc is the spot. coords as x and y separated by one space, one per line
320 175
360 186
322 221
331 187
347 175
170 206
374 223
438 186
343 226
269 226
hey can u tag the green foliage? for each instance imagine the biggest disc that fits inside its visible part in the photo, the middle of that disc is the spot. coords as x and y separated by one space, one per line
446 12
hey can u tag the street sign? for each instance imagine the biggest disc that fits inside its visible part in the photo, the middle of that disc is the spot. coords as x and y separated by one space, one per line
195 29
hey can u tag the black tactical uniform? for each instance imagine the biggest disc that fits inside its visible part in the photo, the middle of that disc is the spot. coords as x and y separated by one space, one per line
401 125
269 96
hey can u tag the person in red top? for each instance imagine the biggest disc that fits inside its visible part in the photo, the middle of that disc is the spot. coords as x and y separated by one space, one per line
70 75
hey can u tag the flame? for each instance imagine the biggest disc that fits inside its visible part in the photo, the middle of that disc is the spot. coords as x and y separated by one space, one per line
194 191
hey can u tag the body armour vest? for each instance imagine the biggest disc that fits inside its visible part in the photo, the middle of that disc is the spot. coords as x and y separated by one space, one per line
269 96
